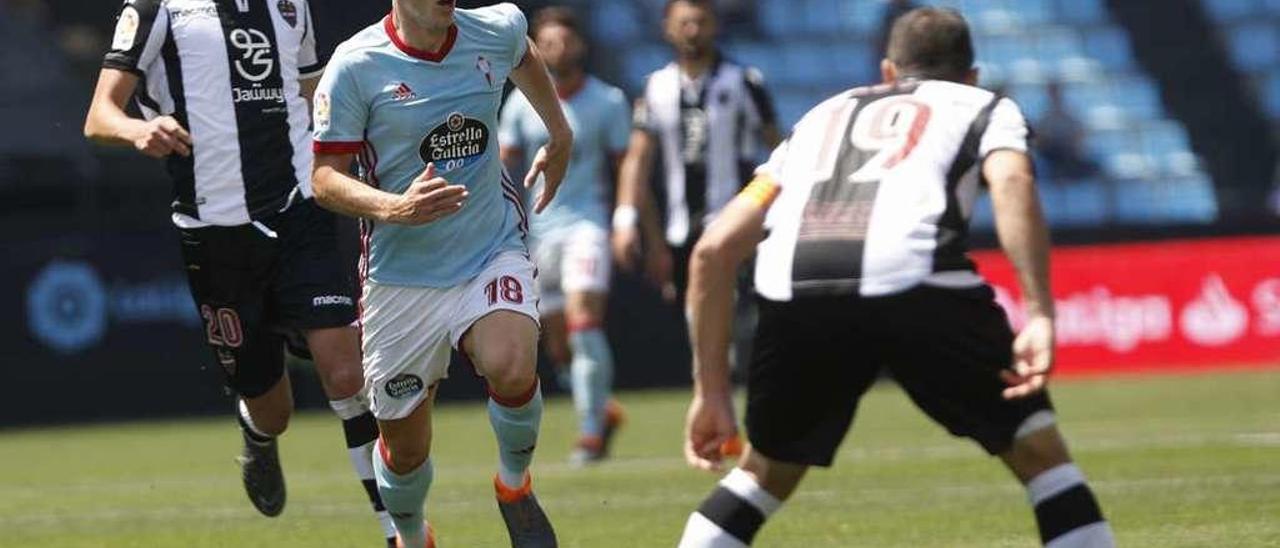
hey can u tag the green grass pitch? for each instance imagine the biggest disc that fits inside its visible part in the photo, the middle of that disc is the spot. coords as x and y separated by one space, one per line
1176 461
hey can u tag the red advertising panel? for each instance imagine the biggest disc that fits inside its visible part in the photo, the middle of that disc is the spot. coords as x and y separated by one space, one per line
1178 305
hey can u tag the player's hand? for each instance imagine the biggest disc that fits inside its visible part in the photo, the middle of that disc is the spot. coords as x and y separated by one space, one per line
428 199
708 426
659 270
551 162
626 247
1032 359
163 136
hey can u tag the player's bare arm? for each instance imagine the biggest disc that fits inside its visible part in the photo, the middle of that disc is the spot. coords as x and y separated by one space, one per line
307 87
428 199
713 268
636 218
108 123
1025 238
552 160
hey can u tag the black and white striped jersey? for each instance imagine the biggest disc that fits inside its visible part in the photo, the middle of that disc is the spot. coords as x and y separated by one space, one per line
228 71
708 131
877 186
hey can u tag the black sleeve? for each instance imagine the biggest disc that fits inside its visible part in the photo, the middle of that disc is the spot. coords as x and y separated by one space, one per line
760 98
140 30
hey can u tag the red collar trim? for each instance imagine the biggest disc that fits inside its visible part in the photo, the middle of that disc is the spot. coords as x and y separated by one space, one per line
568 93
389 24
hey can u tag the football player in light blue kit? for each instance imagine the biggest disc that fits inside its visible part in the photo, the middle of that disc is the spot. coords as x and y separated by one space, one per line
571 240
415 100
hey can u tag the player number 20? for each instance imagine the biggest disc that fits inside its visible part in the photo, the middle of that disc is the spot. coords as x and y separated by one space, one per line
890 127
505 288
222 326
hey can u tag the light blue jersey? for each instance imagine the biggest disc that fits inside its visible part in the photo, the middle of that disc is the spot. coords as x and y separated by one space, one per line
601 122
399 108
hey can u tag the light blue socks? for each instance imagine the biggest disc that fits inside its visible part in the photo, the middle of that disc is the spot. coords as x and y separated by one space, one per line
592 370
515 423
404 497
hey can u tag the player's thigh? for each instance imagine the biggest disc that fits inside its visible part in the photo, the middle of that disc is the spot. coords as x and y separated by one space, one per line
555 338
584 273
229 270
948 348
405 345
548 254
497 323
314 288
810 368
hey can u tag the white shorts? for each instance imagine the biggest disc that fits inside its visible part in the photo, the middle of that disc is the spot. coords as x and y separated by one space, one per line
409 331
573 260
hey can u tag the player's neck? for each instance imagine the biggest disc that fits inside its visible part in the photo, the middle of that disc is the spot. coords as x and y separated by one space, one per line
694 67
569 83
419 32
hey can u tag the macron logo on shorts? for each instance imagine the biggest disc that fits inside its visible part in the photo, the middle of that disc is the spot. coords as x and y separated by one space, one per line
332 300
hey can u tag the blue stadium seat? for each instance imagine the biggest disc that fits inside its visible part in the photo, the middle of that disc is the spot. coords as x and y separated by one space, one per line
1139 97
1110 46
1082 12
616 22
1032 98
792 104
1083 203
1188 200
1051 46
1033 12
860 18
820 15
1253 46
1230 10
779 19
643 60
1271 93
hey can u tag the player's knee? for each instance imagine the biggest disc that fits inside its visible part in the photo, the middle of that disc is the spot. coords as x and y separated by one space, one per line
508 366
341 383
272 421
405 457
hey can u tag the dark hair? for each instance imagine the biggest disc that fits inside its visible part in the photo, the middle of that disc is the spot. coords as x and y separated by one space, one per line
931 43
704 4
555 16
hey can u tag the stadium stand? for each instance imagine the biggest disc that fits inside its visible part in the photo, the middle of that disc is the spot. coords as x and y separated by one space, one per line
1149 173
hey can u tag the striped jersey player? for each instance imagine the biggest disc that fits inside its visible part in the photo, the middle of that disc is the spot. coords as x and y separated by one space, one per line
864 214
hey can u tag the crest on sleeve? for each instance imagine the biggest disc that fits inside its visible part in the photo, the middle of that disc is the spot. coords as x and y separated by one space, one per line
483 66
288 12
321 106
126 29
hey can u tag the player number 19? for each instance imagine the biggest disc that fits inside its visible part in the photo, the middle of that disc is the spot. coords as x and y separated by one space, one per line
890 127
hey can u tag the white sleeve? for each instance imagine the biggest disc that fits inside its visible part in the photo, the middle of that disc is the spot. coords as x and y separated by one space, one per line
1007 129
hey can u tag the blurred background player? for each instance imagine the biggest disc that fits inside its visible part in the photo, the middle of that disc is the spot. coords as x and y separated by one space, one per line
708 120
261 258
415 98
865 262
570 240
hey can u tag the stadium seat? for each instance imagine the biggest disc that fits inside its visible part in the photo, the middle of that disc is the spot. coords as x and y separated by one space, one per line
1253 46
1230 10
1139 97
1111 47
1082 12
1271 94
616 22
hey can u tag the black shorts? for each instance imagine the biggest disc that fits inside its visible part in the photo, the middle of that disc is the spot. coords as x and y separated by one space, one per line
258 293
815 357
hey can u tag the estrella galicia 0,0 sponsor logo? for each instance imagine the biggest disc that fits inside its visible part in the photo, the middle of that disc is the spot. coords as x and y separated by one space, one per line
403 386
457 143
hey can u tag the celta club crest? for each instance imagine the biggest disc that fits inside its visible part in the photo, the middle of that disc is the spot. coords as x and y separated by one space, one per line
482 65
288 12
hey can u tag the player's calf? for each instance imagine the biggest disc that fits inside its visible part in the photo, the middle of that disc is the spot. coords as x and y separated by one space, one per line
1067 513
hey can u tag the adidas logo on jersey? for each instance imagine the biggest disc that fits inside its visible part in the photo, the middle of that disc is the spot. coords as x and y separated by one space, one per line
402 92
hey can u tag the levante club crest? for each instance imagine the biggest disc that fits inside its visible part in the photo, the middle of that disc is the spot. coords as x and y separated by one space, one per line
288 12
